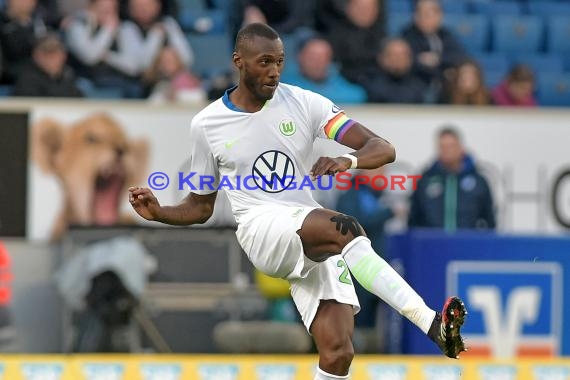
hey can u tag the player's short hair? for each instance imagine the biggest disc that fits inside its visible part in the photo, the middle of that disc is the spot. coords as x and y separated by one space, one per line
248 32
449 130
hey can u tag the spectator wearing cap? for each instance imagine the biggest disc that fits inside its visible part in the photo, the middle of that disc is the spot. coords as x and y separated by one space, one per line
47 75
315 71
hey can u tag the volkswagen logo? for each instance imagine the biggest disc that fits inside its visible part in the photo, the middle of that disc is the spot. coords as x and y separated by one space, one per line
273 171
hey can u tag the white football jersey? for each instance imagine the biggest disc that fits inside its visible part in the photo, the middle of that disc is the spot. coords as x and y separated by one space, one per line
263 157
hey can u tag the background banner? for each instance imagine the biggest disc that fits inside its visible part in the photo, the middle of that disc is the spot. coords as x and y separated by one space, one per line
513 288
271 368
83 158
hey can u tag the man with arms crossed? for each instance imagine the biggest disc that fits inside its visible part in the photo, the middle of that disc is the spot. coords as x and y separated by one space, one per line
261 129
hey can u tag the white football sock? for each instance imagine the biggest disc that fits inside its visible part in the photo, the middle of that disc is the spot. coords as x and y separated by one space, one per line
322 375
379 278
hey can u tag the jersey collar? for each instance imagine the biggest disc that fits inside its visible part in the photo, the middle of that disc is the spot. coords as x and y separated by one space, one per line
228 103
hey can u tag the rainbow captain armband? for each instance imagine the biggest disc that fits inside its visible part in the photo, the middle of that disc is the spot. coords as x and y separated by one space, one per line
338 126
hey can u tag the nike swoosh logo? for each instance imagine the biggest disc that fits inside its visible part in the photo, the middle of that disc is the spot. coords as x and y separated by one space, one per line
229 144
335 109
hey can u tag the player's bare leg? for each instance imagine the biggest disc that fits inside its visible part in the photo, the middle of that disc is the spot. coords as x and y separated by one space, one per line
332 330
325 233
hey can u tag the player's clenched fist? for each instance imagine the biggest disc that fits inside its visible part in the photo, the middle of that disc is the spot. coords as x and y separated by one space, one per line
144 202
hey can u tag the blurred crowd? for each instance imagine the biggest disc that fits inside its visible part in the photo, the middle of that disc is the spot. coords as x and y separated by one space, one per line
107 48
142 49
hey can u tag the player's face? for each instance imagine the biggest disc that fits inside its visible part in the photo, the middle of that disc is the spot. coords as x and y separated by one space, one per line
261 66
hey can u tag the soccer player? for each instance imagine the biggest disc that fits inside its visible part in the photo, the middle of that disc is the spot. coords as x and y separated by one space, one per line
264 130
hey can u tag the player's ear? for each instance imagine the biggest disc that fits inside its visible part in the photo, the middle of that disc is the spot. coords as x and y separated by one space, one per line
47 139
236 58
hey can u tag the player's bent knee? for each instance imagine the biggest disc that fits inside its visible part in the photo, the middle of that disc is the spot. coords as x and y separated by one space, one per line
338 359
347 228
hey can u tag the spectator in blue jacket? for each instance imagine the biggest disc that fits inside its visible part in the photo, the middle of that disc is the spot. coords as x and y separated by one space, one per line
315 71
452 194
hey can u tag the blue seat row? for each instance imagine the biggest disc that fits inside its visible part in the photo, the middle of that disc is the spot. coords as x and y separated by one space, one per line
554 90
490 7
213 53
511 34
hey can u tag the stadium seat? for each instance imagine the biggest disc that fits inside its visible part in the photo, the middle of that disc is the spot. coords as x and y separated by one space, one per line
291 68
205 22
91 91
495 67
292 41
290 45
549 8
471 30
493 62
492 8
541 63
397 22
493 78
454 7
558 34
212 53
399 6
566 62
517 34
104 93
554 90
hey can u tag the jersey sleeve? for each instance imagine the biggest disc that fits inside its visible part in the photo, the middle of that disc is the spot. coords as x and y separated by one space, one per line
329 121
203 167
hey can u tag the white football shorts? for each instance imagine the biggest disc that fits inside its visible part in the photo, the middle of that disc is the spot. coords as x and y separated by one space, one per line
268 235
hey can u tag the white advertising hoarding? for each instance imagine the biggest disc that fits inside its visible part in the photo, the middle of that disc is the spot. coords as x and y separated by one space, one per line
521 152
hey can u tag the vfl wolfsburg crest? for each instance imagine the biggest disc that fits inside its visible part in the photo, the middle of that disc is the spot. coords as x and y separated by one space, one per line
287 127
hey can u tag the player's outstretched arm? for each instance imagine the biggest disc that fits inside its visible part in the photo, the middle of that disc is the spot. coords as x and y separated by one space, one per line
371 150
194 209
